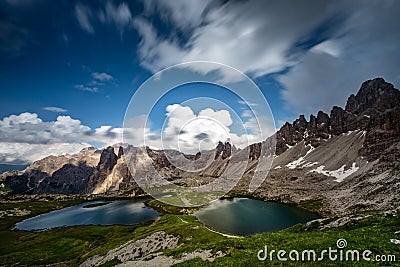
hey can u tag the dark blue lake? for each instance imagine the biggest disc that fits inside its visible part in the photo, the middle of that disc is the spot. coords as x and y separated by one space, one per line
124 212
243 216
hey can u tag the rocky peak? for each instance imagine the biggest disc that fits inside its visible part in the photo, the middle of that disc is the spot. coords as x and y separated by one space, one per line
286 132
159 158
120 152
108 159
337 120
323 125
322 118
197 156
254 151
312 126
227 151
373 94
223 149
90 148
218 150
300 124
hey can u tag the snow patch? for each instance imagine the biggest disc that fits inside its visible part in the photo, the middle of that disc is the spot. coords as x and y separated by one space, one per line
288 146
305 134
301 161
340 174
278 167
311 148
309 164
296 163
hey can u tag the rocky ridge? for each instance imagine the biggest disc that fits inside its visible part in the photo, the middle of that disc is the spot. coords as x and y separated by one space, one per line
374 109
345 159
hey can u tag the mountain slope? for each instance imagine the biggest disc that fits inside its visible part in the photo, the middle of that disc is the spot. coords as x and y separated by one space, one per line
347 160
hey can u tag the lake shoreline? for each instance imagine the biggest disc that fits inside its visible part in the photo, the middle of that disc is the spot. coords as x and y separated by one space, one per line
165 208
149 202
93 212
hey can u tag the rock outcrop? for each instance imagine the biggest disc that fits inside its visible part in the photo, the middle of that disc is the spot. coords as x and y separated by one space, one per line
223 150
254 151
134 250
374 109
108 160
66 174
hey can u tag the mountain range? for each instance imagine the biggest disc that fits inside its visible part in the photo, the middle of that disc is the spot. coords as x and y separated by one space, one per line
345 161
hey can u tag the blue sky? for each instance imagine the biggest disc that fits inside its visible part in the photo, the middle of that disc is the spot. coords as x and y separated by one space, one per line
69 68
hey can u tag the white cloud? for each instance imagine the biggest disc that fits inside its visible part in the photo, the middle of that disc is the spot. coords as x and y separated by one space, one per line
156 53
99 80
247 113
318 83
108 134
67 129
118 15
251 36
325 49
24 153
102 76
29 128
83 15
82 87
222 116
364 47
189 132
329 47
137 132
26 137
185 14
55 109
23 128
247 103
